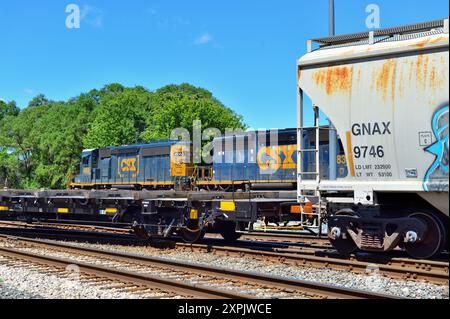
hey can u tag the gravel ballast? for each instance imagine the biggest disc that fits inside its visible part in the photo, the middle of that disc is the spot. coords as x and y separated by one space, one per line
372 282
23 283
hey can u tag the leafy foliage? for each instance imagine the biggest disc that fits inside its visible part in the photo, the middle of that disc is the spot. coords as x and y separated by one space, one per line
7 109
179 106
8 173
40 146
119 119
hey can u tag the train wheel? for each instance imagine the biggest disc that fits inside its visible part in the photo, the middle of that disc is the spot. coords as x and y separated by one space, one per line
434 239
346 245
228 231
190 236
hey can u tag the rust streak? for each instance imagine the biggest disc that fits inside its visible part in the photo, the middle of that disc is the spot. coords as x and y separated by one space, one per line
437 76
401 85
393 81
335 79
433 81
423 43
422 64
387 77
411 67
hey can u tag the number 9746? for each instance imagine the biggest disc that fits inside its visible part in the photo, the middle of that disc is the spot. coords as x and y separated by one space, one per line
368 151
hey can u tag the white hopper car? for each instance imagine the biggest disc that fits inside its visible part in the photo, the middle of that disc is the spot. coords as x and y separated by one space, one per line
387 94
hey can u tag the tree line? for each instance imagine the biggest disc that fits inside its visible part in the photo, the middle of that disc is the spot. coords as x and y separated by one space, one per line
40 145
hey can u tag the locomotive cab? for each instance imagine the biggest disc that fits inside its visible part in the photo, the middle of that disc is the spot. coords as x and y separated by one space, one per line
88 166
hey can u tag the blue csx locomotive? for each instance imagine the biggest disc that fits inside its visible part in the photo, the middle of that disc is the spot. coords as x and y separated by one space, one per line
240 161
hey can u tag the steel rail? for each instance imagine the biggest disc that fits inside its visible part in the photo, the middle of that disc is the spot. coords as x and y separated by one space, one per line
68 226
175 287
314 242
435 272
284 235
399 268
309 288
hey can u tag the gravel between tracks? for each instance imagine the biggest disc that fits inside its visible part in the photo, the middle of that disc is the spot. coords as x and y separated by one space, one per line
374 282
23 283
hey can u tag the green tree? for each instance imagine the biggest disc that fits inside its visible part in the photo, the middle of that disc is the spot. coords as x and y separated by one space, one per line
8 169
17 134
7 109
39 100
59 143
40 145
178 106
119 119
48 150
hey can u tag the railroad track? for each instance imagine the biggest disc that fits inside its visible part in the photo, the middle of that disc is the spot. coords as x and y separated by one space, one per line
179 277
67 226
287 238
111 278
298 241
436 272
102 234
311 243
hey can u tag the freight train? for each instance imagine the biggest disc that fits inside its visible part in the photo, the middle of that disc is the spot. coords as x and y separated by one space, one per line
386 93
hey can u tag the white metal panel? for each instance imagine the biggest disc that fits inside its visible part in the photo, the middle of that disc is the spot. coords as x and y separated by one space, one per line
389 103
384 108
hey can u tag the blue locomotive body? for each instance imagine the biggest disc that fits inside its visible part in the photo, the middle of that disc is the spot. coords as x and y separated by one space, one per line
256 159
250 158
131 166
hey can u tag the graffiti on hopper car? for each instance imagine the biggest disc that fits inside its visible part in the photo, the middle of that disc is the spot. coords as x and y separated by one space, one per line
438 171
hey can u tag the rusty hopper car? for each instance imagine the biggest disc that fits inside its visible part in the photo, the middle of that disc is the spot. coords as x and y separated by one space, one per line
387 94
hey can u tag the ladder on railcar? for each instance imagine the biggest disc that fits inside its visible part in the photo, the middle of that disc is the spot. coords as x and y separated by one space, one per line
310 197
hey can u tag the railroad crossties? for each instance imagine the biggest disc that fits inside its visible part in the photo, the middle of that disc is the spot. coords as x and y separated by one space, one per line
209 271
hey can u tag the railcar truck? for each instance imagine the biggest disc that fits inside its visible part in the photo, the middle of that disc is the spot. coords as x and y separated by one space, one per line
386 92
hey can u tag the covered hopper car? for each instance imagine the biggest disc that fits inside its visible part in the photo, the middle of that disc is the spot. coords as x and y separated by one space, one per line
387 94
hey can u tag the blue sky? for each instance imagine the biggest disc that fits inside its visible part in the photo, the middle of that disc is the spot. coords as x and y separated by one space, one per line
244 51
